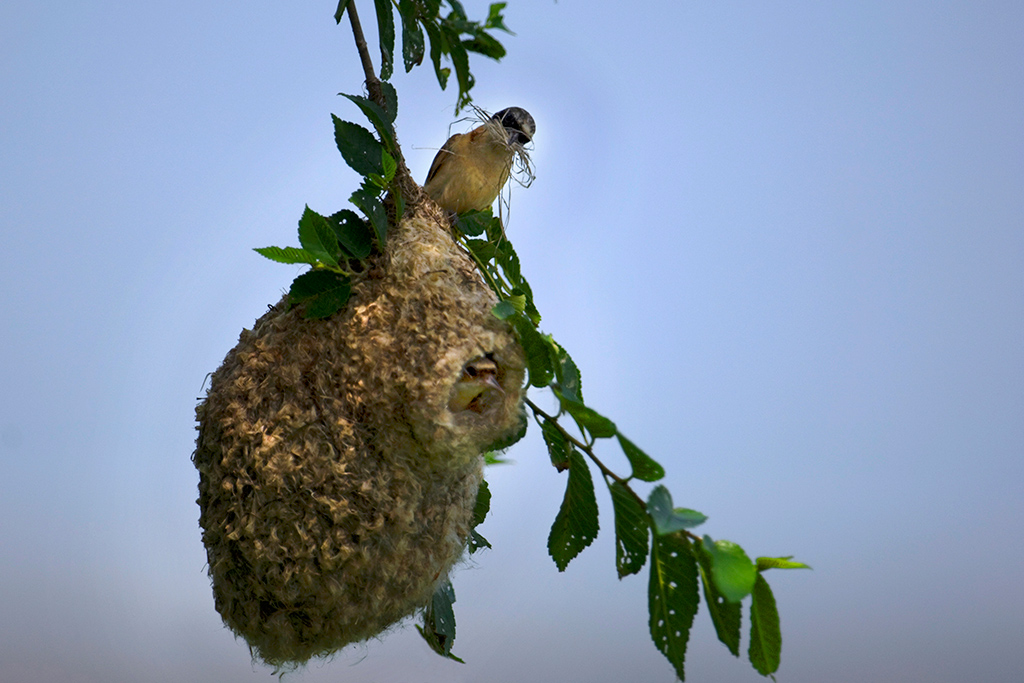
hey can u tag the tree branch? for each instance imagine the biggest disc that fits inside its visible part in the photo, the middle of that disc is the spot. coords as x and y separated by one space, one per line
372 82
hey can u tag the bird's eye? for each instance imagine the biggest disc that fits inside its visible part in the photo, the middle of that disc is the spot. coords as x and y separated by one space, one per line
471 371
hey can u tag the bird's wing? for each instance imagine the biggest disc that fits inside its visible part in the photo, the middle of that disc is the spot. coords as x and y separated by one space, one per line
442 154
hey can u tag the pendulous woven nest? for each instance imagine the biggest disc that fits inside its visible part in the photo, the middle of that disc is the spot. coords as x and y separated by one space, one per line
336 485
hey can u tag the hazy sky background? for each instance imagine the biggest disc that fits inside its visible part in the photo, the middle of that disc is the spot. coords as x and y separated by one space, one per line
783 241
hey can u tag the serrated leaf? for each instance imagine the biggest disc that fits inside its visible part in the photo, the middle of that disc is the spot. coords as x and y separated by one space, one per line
631 531
494 18
353 233
386 31
460 60
501 310
568 375
438 48
558 447
764 563
486 45
726 616
473 223
412 35
765 650
483 503
517 301
672 597
287 255
482 249
599 426
358 147
576 524
323 292
367 199
317 237
667 519
378 118
731 570
538 360
390 167
476 542
391 103
495 458
645 468
439 621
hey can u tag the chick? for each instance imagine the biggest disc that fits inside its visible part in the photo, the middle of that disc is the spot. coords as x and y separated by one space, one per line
477 388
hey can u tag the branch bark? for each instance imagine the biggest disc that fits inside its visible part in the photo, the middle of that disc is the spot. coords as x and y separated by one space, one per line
372 82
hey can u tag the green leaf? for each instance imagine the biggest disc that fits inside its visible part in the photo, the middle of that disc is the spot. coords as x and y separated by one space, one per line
317 237
495 458
732 572
644 467
390 166
482 249
358 147
287 255
486 45
367 199
494 18
476 542
412 35
380 119
473 222
568 375
324 292
538 360
667 519
726 616
518 301
438 48
631 531
599 426
764 563
460 60
386 30
338 13
558 447
576 524
672 597
501 310
439 621
353 233
483 504
765 635
391 102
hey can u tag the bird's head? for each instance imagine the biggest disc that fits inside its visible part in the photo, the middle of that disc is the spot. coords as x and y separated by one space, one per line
478 387
518 124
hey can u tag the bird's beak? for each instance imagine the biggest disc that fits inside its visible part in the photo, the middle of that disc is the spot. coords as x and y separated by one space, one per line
492 381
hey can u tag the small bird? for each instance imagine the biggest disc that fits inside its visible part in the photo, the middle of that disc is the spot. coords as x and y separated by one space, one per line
477 388
471 168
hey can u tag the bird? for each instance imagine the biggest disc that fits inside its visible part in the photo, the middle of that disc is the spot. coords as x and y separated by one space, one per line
471 168
478 386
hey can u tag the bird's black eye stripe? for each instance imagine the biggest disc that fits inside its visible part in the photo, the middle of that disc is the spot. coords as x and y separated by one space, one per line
519 137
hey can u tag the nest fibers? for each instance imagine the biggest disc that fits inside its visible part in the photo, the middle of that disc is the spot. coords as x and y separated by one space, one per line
336 484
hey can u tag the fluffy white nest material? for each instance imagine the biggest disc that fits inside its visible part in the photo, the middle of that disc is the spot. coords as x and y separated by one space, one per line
336 484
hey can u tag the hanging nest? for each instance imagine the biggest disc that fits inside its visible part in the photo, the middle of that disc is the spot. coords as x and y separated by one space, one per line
339 463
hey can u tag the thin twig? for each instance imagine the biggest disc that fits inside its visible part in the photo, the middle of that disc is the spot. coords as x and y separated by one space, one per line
589 450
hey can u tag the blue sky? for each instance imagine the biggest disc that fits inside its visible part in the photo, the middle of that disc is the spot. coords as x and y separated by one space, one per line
784 242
